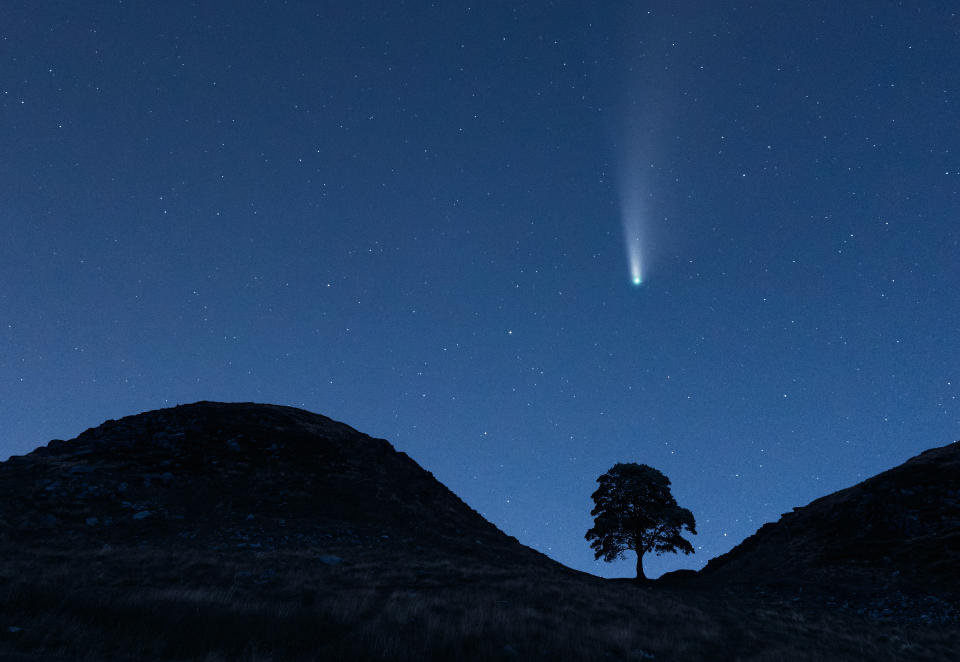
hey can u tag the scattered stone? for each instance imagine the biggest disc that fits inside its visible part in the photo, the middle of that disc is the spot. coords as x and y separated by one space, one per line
143 514
330 559
92 521
266 576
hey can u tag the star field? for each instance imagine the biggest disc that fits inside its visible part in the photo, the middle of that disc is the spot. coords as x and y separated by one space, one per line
407 217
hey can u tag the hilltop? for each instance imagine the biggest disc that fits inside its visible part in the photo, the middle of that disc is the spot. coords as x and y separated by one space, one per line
229 477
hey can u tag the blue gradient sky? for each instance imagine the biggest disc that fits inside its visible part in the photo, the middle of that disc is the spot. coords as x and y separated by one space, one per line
408 218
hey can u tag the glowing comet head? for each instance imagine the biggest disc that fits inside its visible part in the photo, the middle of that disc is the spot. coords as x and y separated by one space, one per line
636 274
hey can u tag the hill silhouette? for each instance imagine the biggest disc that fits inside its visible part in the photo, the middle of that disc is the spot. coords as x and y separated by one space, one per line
240 476
218 531
899 529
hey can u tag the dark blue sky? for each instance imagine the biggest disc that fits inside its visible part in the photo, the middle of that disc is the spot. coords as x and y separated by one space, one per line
408 217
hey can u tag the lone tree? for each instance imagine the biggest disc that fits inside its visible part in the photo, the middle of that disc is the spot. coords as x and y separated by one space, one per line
634 510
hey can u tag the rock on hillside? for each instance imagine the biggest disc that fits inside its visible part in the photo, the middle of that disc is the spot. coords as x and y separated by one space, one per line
238 476
899 528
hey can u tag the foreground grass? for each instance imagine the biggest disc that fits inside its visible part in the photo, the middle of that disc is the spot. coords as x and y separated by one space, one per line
197 605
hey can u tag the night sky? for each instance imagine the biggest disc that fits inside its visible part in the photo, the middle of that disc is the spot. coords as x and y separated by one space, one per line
415 218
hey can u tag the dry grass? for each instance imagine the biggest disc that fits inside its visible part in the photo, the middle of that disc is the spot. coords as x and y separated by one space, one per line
142 604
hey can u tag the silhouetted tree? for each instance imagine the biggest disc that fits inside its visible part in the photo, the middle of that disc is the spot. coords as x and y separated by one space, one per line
634 510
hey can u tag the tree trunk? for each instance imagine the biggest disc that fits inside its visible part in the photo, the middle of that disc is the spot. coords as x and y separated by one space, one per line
640 576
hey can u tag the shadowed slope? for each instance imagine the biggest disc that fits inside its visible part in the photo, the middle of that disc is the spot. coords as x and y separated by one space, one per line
239 476
899 528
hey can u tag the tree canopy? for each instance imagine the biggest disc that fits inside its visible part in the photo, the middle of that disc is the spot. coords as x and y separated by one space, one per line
634 510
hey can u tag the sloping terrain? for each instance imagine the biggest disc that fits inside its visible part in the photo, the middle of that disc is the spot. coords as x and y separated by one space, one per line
239 476
900 528
220 531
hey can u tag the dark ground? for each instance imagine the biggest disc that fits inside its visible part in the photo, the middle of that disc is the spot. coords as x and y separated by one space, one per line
252 532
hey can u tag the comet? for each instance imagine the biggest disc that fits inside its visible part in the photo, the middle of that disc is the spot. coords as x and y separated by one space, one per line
637 180
632 215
